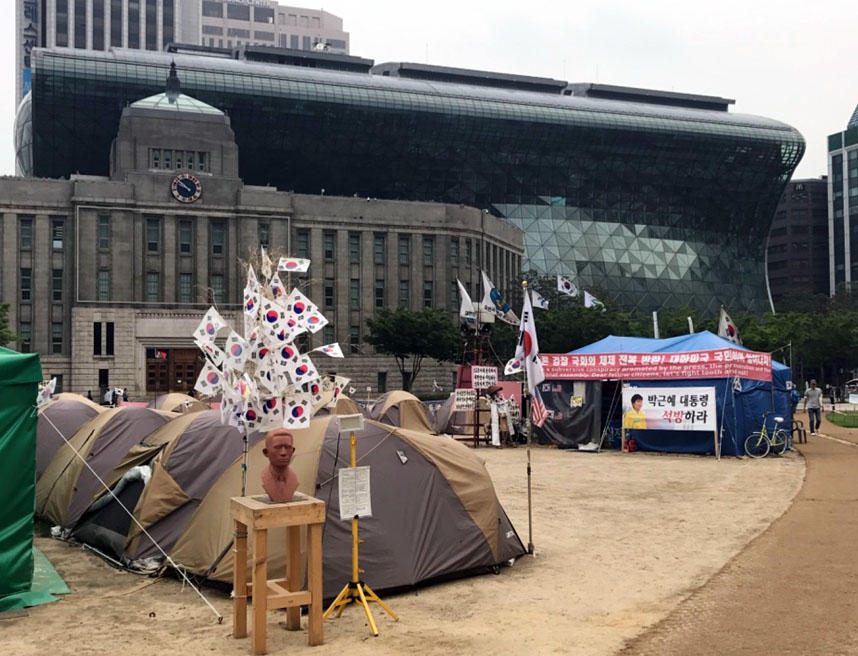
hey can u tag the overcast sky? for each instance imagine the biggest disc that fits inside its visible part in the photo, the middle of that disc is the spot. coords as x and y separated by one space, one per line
791 61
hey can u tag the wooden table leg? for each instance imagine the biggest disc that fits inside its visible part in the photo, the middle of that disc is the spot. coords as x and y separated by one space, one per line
239 582
259 598
314 583
293 574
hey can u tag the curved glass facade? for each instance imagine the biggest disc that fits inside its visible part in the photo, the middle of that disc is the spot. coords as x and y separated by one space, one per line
652 205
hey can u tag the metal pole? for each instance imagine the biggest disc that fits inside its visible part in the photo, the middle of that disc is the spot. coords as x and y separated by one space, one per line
526 417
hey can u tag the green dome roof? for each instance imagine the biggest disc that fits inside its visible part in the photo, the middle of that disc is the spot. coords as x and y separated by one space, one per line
182 103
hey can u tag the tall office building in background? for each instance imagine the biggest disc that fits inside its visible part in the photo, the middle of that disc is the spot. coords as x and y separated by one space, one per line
843 205
152 24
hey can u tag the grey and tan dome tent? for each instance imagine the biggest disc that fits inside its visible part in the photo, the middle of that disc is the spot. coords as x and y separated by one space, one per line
401 409
111 442
177 402
435 512
67 413
344 406
450 421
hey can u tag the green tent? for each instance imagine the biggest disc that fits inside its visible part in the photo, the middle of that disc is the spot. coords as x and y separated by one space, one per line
20 375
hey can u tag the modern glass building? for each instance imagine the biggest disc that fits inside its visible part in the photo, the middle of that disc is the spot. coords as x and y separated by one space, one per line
843 206
650 198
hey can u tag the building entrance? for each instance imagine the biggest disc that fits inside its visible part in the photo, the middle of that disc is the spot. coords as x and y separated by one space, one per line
172 370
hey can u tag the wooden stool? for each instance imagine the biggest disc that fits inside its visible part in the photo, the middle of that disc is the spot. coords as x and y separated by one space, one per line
257 514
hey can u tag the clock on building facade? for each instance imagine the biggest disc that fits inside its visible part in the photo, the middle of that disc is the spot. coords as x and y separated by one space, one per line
186 188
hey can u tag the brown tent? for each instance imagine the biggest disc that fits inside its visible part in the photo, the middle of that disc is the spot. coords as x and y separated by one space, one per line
67 487
177 402
344 406
450 421
402 409
64 413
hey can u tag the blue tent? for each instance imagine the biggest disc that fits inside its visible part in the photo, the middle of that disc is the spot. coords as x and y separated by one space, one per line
741 401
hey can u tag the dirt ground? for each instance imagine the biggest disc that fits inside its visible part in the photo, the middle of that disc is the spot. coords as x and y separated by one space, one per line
621 540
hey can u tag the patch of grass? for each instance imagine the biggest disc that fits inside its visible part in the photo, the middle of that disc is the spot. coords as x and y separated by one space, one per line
843 419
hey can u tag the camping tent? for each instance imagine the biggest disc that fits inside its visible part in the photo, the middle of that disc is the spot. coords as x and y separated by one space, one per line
177 402
450 421
20 375
402 409
110 443
58 419
741 399
434 508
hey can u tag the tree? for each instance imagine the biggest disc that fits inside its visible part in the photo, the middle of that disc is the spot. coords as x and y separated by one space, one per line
413 335
6 334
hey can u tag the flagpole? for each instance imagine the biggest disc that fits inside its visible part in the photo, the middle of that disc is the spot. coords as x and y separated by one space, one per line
529 470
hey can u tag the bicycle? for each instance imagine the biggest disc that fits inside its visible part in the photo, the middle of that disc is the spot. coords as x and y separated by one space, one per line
759 443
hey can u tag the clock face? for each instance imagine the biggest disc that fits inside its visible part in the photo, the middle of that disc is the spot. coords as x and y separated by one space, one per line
186 188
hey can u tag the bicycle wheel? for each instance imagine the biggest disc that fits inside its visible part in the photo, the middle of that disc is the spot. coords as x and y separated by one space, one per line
779 442
756 445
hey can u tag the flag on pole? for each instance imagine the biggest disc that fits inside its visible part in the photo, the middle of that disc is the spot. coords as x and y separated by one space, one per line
727 329
527 350
495 303
591 301
538 301
466 305
538 412
332 350
293 264
566 286
513 366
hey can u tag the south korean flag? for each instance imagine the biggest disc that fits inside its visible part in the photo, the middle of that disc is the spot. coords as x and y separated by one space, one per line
298 411
209 381
210 325
300 306
293 265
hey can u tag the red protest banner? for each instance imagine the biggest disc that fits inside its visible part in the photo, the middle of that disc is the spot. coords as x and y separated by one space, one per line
715 363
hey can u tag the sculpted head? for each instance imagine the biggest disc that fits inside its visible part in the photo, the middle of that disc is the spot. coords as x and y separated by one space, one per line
279 447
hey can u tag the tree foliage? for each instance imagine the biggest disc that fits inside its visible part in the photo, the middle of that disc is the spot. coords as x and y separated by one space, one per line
410 336
6 334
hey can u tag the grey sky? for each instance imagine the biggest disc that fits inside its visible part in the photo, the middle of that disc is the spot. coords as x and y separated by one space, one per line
787 60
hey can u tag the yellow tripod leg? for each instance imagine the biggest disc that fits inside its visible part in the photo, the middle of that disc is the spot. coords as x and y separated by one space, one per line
338 600
374 597
366 609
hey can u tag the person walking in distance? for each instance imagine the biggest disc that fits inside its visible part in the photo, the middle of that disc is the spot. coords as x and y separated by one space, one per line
813 406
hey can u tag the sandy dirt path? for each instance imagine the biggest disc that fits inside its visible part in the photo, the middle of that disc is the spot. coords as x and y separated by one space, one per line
791 590
621 540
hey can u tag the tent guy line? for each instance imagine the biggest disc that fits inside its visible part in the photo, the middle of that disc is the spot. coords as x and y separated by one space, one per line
359 460
134 519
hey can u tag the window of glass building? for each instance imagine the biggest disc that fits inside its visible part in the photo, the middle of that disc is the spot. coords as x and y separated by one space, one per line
26 284
428 293
217 236
354 293
186 235
263 233
263 36
454 251
168 17
153 286
354 247
378 248
328 334
302 243
217 288
404 249
151 25
103 288
80 25
354 338
237 12
239 32
98 24
213 29
134 24
25 332
186 285
116 23
153 234
329 245
62 23
57 285
25 233
263 15
428 251
58 227
379 292
329 293
56 338
103 232
404 293
212 9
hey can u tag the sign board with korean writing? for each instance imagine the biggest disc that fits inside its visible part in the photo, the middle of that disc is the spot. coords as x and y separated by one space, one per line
714 363
355 495
669 408
466 399
484 377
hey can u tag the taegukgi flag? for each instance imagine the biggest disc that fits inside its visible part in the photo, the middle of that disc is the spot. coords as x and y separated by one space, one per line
466 306
566 286
538 301
495 303
591 301
527 350
727 328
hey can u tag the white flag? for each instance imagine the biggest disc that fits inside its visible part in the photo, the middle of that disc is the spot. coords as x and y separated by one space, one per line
538 301
211 350
566 286
340 383
315 322
237 351
494 302
278 289
265 269
333 350
293 264
298 410
300 306
466 306
46 391
209 381
727 329
591 301
527 350
209 326
513 366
